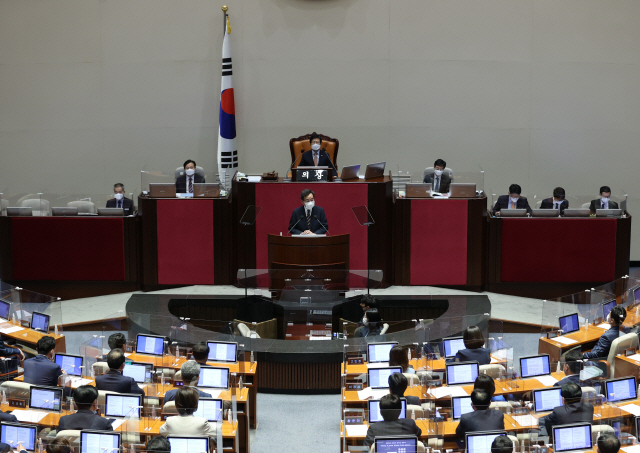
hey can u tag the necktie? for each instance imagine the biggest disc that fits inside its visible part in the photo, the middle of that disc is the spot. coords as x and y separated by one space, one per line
309 218
315 159
513 205
190 184
437 187
556 205
119 203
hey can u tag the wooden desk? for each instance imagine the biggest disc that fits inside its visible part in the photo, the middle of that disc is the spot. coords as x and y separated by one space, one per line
418 365
30 337
627 367
583 337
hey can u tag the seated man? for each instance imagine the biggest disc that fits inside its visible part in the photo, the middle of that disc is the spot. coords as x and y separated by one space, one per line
159 444
398 385
190 371
367 302
119 200
440 181
573 410
572 367
604 202
512 201
113 380
6 351
502 444
184 183
316 157
556 202
481 419
308 218
86 398
41 369
115 341
200 353
372 324
607 443
390 407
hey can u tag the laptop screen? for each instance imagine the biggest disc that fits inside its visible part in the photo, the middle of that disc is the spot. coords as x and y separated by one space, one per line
569 323
378 378
40 321
149 344
70 364
4 309
222 352
547 399
376 416
534 366
13 434
607 307
379 352
189 444
209 408
122 405
461 405
452 345
46 398
396 444
212 377
462 373
621 389
481 442
140 372
572 437
99 442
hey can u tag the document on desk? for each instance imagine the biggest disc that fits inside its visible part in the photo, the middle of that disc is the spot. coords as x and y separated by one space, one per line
631 408
254 178
547 381
564 340
378 365
525 420
631 449
117 422
357 430
372 393
605 326
11 330
77 382
634 357
29 415
442 392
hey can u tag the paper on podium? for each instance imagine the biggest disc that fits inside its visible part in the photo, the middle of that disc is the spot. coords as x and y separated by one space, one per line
308 235
631 408
372 393
357 430
526 420
29 415
442 392
547 381
564 340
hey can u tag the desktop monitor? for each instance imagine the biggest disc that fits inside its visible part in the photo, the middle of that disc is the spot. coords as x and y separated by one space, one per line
636 295
395 444
607 307
222 351
569 323
14 433
376 416
140 372
150 344
71 364
637 420
4 310
45 398
547 399
40 321
572 437
451 346
462 373
99 441
461 405
621 389
122 405
209 408
188 444
379 352
378 378
535 365
480 442
214 377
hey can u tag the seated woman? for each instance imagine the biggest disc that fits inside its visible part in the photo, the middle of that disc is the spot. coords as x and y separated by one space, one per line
616 317
474 351
372 324
186 424
399 357
486 383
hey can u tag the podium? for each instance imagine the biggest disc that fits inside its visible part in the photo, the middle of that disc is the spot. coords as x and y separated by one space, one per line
297 252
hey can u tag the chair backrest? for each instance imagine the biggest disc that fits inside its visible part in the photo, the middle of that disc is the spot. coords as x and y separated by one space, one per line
430 170
385 327
16 389
102 397
69 434
502 406
588 393
99 368
84 206
169 408
600 429
299 145
538 204
413 408
180 171
246 332
411 377
618 346
586 205
4 204
492 369
39 206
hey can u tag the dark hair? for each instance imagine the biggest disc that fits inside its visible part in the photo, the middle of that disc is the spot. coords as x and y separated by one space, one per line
398 357
305 193
115 359
502 444
480 399
187 400
369 301
515 188
573 359
118 184
618 314
390 407
45 345
84 396
558 192
605 189
440 163
571 391
59 445
159 444
200 352
398 384
486 383
373 316
117 341
314 135
187 162
473 338
608 443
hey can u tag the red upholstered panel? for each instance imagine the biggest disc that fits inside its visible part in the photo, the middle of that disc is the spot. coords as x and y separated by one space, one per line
438 242
279 200
185 242
558 250
55 248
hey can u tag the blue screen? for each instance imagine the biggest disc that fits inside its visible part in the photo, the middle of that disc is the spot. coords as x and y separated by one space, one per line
481 443
379 377
408 445
99 442
607 307
41 322
569 323
376 416
534 366
572 438
13 434
547 400
150 345
4 309
451 347
465 373
623 389
461 406
70 364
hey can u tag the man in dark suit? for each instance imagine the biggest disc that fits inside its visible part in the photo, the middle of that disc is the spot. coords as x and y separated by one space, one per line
308 218
390 407
398 385
317 156
190 371
481 419
86 398
41 369
573 410
608 443
556 202
200 353
116 341
185 182
572 367
604 202
439 180
113 380
512 201
6 351
119 200
4 417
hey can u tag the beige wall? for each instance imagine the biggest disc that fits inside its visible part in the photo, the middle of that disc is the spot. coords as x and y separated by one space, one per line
539 92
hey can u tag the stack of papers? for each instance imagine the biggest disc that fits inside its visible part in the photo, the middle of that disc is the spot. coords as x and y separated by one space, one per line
29 416
631 408
357 430
547 381
564 340
442 392
372 393
526 420
77 382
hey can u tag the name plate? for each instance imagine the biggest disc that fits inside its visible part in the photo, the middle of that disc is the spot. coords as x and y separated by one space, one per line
312 175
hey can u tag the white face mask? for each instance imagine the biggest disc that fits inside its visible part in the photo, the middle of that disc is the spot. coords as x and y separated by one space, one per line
605 199
513 200
365 321
309 205
315 146
190 172
438 172
118 196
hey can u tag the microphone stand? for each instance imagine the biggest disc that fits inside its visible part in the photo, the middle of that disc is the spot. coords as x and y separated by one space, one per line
316 217
337 178
294 225
286 176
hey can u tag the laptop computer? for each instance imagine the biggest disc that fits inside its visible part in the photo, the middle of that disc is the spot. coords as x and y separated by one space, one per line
121 405
150 344
65 211
537 212
350 172
461 373
379 352
40 321
206 190
569 323
209 408
574 437
222 351
111 212
462 190
535 365
214 377
395 444
607 307
71 364
609 213
45 398
162 190
374 170
5 308
99 441
188 444
140 372
461 405
23 211
545 400
418 190
480 442
576 213
451 346
621 389
14 433
513 213
376 416
378 378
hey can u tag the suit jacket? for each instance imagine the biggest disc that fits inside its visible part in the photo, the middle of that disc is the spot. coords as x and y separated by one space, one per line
575 378
114 381
323 159
368 331
547 203
4 417
400 427
84 419
39 370
597 204
602 347
479 420
445 181
318 218
127 205
6 350
569 413
480 355
187 425
181 182
503 203
171 395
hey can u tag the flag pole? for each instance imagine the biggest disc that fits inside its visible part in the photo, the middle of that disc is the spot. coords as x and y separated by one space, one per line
225 8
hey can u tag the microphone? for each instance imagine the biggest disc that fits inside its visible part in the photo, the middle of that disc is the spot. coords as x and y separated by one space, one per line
316 217
294 225
337 179
286 176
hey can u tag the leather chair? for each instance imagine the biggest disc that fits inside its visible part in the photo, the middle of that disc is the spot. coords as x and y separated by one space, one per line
39 207
430 170
180 171
299 145
84 207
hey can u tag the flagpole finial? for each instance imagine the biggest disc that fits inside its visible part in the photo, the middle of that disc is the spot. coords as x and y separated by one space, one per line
225 8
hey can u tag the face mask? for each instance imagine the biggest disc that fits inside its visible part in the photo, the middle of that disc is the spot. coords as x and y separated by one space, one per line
365 321
118 196
190 172
513 200
438 172
605 199
315 147
310 204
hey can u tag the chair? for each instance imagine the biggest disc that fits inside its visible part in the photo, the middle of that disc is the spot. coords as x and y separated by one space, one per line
502 406
16 389
430 170
180 171
618 346
38 206
385 327
84 207
4 204
538 204
299 145
600 429
100 368
169 408
412 378
72 435
412 408
588 393
586 205
494 370
246 332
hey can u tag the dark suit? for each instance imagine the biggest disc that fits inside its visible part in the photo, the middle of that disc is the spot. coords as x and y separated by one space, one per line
39 370
127 205
597 204
602 347
84 419
323 159
445 181
114 381
548 203
479 420
575 378
171 395
317 219
181 182
6 350
4 417
569 413
504 202
480 355
400 427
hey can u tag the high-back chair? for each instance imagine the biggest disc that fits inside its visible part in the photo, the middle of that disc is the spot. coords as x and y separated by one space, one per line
299 145
38 206
430 170
492 369
180 171
618 346
84 207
